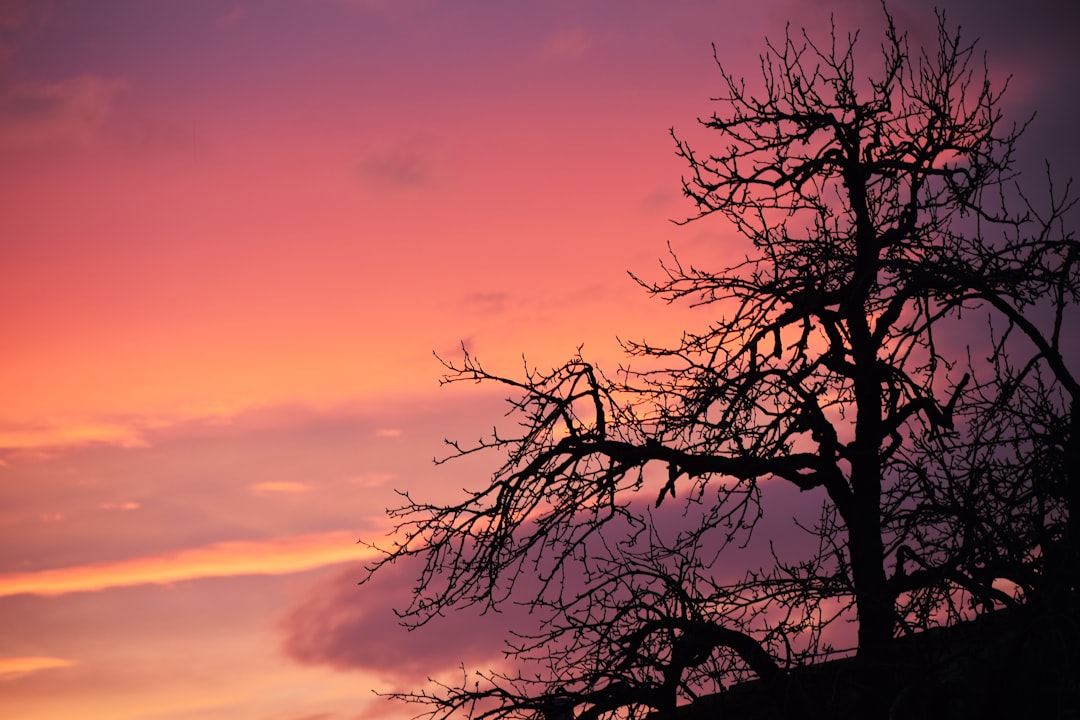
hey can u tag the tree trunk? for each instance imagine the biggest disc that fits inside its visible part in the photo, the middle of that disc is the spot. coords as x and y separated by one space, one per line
872 599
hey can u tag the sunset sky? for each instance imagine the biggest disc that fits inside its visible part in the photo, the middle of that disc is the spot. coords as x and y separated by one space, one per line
232 234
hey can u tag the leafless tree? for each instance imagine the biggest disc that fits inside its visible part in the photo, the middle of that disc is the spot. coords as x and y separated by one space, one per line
866 201
996 500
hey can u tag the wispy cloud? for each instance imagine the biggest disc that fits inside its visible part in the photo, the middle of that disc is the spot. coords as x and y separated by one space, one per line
21 665
280 487
373 479
18 14
381 7
485 303
70 435
133 431
349 628
566 44
232 16
277 556
403 164
67 110
121 506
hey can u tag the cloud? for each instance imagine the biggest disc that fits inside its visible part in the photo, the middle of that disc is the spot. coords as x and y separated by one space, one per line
347 627
386 8
566 45
456 351
397 166
121 506
11 13
232 16
290 488
164 136
388 432
75 434
485 303
68 110
277 556
354 628
142 431
373 479
13 666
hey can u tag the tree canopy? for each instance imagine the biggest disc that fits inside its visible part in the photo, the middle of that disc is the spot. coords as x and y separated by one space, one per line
880 210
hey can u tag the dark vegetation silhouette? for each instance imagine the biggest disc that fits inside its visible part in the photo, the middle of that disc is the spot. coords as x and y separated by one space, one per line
893 347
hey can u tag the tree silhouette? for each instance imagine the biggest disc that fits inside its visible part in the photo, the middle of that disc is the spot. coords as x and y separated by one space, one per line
876 214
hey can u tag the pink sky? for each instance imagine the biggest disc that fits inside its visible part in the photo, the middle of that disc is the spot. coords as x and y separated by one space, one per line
231 236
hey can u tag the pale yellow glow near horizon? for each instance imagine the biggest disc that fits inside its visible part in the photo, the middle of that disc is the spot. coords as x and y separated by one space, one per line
277 556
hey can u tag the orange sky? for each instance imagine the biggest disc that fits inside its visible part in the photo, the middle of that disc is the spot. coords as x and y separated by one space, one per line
231 236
